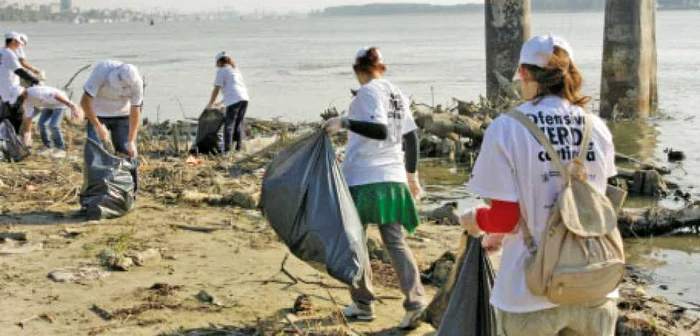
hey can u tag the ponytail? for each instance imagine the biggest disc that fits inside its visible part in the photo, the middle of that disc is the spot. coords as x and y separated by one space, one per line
227 60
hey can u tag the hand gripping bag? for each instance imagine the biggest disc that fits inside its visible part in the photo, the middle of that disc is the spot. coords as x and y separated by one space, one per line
109 187
307 202
468 312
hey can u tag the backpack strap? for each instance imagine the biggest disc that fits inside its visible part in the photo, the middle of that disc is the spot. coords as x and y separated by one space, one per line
556 161
542 139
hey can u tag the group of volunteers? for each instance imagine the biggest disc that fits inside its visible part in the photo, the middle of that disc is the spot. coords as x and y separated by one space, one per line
518 170
111 101
514 170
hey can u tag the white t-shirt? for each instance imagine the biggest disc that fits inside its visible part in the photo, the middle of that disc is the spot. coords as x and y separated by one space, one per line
230 80
9 63
512 166
20 53
109 101
41 97
370 161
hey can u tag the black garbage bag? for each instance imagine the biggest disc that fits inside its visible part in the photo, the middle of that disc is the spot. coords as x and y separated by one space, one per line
307 202
468 312
11 147
208 126
108 183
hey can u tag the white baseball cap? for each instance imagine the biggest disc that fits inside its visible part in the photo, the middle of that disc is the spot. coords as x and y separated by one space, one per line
125 76
23 38
13 36
220 56
363 52
537 50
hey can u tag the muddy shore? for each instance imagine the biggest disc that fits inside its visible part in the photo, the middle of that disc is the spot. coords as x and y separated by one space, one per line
199 267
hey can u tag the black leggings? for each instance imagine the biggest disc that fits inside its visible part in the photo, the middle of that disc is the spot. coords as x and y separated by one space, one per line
233 126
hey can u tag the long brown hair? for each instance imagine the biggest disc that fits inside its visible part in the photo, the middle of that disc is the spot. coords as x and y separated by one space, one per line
370 62
560 77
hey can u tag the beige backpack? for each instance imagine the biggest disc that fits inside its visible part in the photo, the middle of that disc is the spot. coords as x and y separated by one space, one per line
580 257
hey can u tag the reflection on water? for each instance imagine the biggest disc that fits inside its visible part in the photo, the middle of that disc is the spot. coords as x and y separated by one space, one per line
634 138
674 263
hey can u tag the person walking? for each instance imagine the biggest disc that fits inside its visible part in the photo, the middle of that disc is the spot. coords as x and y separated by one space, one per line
112 104
11 71
229 81
51 102
517 173
383 179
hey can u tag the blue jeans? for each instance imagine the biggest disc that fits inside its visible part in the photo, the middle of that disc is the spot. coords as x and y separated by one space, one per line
118 128
50 121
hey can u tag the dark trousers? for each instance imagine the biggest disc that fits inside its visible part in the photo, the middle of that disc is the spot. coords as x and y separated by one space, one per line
119 130
14 113
233 125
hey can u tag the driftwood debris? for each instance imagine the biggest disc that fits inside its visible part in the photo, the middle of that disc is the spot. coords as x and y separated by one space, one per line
658 222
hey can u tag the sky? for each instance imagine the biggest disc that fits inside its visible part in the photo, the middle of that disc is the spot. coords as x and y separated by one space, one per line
245 6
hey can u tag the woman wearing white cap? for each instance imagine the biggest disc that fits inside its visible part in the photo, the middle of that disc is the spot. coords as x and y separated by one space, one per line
383 179
112 104
21 54
516 172
229 81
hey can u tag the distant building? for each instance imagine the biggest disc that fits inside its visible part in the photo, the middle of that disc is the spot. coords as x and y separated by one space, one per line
54 8
66 6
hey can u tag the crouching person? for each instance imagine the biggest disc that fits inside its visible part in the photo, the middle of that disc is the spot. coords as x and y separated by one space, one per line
51 102
526 174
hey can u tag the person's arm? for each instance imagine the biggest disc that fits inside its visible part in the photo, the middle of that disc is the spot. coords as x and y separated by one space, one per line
214 94
65 101
86 104
370 130
26 75
29 66
134 122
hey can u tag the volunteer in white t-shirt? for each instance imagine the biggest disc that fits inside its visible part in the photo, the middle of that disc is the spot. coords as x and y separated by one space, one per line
514 171
229 81
21 54
112 104
51 102
383 179
10 72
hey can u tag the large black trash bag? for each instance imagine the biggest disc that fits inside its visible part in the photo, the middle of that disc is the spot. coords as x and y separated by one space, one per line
11 146
108 183
469 312
208 126
307 202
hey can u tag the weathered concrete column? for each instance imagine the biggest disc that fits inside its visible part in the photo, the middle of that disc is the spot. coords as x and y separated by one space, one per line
507 28
628 87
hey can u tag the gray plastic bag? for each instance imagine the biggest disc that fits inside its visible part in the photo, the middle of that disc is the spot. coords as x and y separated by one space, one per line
307 202
208 138
109 187
11 147
469 312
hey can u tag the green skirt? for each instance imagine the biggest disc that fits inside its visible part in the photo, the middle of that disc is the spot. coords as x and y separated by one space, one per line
386 203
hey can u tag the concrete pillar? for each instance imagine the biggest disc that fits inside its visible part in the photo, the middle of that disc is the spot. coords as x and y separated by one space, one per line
507 28
628 86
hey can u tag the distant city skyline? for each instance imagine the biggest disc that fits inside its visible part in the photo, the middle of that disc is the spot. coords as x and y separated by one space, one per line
244 6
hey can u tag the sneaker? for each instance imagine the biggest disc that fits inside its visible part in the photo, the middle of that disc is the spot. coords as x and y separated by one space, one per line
45 152
59 154
412 319
353 311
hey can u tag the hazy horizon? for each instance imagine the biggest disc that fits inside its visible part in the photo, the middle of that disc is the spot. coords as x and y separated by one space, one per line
244 6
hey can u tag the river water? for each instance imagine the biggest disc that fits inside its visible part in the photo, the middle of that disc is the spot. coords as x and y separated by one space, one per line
296 68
